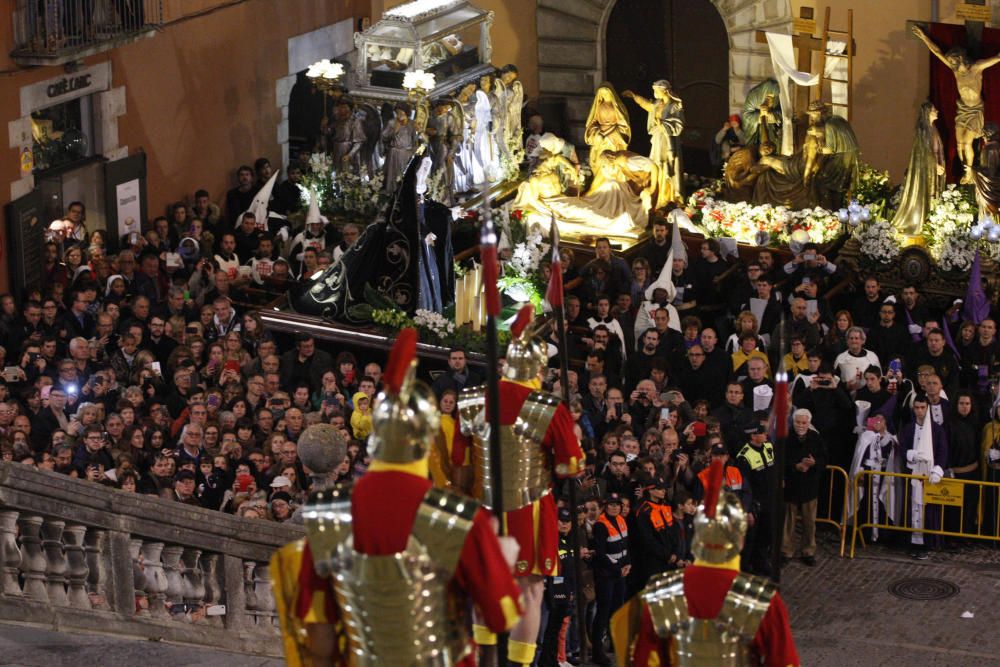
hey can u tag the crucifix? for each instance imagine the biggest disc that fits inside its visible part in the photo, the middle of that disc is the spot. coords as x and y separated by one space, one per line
807 44
968 78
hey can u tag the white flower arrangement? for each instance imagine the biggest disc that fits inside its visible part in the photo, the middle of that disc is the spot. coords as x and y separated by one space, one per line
878 242
744 221
345 191
433 322
527 255
947 230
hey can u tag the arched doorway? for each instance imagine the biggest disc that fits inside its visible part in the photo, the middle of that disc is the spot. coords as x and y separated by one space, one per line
685 42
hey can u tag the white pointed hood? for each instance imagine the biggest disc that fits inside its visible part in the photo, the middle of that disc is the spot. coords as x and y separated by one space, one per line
665 280
676 244
259 204
314 215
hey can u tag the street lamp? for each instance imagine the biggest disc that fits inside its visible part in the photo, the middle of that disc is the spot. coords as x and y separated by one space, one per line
324 76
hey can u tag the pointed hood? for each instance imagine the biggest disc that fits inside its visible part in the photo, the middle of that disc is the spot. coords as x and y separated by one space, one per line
314 215
676 244
259 204
665 280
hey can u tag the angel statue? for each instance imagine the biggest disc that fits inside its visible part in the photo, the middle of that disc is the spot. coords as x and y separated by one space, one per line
924 176
665 123
464 114
486 157
969 113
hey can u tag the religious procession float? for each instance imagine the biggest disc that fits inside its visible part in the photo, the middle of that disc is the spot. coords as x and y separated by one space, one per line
427 137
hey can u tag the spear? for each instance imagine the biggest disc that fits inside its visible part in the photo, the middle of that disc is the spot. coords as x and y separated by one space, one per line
554 295
491 271
780 411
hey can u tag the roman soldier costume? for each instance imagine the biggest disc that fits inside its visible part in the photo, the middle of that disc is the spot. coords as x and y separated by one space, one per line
386 571
537 442
709 613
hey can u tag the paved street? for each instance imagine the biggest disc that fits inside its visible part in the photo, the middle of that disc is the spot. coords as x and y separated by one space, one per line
843 613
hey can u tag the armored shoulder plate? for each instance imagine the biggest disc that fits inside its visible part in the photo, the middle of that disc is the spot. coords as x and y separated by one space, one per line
664 596
535 415
327 519
472 412
443 521
746 603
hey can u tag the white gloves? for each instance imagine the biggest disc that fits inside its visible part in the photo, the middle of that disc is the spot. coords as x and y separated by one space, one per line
994 455
936 474
914 328
911 455
282 234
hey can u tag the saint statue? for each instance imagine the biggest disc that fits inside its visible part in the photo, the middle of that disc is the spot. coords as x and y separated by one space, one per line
464 114
607 128
987 172
515 101
924 175
552 176
486 158
497 93
969 79
345 137
400 140
762 114
444 134
665 123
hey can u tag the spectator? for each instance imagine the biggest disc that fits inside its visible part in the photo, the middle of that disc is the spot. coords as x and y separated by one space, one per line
458 376
805 462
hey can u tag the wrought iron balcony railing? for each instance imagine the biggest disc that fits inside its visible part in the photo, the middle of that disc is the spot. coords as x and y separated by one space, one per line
52 32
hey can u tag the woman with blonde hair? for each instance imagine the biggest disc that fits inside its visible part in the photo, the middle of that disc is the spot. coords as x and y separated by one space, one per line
746 322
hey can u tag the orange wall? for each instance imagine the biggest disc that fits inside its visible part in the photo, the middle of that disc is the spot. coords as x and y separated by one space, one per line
200 95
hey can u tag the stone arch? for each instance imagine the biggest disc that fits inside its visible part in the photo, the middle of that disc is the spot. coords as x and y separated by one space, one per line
571 53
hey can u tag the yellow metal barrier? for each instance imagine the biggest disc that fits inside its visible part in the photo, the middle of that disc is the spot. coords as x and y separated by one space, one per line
837 474
951 496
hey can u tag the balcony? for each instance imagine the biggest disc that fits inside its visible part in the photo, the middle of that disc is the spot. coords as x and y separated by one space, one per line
54 32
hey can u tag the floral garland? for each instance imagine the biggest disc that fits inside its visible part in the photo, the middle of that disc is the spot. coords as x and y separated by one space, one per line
874 190
761 224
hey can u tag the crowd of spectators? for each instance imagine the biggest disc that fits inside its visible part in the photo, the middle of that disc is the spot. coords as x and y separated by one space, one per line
145 369
141 363
666 376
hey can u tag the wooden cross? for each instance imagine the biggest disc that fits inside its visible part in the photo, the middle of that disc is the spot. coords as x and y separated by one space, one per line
807 43
976 14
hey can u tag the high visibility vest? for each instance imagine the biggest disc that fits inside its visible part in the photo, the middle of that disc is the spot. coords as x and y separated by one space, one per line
733 479
660 515
757 459
617 536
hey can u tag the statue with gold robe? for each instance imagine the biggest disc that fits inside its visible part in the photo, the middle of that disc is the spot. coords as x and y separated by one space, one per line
925 175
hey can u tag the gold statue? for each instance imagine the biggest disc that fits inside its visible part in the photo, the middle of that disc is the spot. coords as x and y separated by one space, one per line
969 79
553 175
814 144
607 129
665 123
924 175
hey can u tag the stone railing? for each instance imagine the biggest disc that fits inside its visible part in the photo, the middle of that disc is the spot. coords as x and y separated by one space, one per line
78 556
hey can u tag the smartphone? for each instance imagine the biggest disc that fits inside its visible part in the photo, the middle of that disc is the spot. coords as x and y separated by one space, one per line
809 256
807 281
699 428
156 369
618 409
233 366
11 373
664 413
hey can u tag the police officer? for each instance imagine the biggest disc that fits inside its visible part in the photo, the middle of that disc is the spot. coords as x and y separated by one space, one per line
559 594
612 564
755 461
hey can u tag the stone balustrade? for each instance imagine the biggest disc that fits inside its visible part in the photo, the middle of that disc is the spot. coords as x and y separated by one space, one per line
77 556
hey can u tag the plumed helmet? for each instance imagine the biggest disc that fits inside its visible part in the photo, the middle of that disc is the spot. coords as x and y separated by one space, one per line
405 417
720 524
527 353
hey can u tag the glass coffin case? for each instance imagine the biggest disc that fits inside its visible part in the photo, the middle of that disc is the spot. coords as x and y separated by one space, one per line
447 38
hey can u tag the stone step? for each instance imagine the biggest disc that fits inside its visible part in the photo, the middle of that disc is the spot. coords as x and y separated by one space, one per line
554 23
575 8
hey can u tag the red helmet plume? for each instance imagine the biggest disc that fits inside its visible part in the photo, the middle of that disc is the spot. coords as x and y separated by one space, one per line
403 352
713 487
524 318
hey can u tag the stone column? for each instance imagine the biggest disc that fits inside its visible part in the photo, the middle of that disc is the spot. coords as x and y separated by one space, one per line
264 594
172 570
77 570
194 587
32 558
141 602
55 573
95 543
156 580
251 592
213 588
10 553
235 593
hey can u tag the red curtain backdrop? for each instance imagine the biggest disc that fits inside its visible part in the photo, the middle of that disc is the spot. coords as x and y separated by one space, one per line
944 92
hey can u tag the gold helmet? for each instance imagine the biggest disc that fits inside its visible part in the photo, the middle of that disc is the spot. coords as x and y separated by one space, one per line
527 353
720 524
405 417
